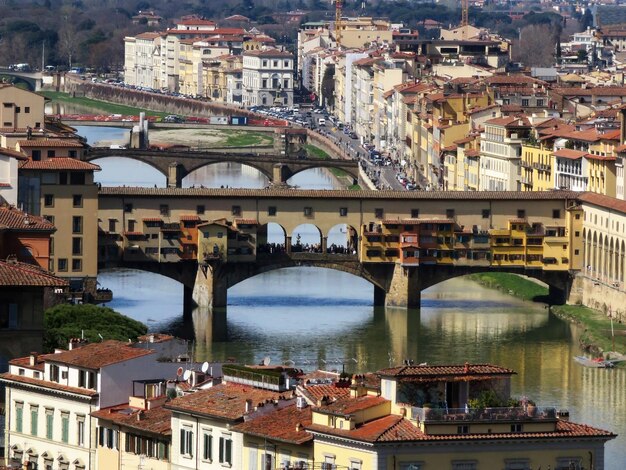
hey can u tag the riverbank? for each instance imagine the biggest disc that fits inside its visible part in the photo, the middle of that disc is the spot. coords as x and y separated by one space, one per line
597 338
104 106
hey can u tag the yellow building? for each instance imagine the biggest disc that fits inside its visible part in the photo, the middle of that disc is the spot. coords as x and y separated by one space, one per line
20 109
222 78
62 190
362 31
424 417
137 433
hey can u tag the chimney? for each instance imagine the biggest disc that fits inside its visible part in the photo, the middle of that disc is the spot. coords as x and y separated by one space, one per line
248 406
140 415
467 368
33 358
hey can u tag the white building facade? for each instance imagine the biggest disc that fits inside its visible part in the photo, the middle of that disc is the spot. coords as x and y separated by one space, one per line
267 78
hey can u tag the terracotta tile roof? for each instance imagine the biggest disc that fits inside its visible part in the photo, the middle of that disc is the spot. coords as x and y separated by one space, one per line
416 221
437 372
570 154
472 153
152 219
224 401
59 163
284 425
512 80
509 121
348 406
315 392
269 53
45 384
14 219
15 273
117 191
603 201
97 355
596 91
148 35
57 143
246 222
393 428
154 421
40 361
189 218
13 153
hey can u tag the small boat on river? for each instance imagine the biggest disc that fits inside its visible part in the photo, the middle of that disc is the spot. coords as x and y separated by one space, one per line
598 362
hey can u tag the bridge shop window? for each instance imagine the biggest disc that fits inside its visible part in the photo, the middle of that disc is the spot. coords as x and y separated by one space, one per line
556 214
415 213
128 207
77 200
379 213
521 214
27 110
343 211
164 210
77 224
271 210
48 200
236 210
486 213
308 211
62 264
200 209
449 213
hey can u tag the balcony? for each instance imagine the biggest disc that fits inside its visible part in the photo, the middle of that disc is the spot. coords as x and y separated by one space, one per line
484 415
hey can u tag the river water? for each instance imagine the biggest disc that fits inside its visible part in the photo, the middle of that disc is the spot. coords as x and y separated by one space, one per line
319 318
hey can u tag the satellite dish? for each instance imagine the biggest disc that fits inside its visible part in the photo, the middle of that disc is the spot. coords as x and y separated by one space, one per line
187 374
205 367
266 361
179 371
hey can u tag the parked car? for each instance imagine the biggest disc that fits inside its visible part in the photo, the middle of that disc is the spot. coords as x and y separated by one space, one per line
321 122
173 118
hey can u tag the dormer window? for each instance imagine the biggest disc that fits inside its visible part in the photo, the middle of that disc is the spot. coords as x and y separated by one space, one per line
87 379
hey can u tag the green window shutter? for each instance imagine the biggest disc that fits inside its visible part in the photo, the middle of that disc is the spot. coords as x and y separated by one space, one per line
18 418
65 428
49 425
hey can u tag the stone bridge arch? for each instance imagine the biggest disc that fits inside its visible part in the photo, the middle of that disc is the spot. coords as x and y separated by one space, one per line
292 170
264 169
147 160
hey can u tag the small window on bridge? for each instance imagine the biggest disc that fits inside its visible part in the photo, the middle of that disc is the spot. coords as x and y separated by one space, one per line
415 213
164 210
308 211
378 213
18 109
7 105
271 210
128 207
343 211
236 210
486 213
521 214
556 214
449 213
27 109
200 210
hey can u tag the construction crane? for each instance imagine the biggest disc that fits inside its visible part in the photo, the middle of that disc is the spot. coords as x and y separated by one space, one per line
338 12
464 17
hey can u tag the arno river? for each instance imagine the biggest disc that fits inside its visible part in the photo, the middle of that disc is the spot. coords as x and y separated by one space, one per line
318 318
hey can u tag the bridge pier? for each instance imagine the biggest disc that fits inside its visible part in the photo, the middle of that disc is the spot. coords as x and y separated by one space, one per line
404 288
557 295
175 175
280 173
210 290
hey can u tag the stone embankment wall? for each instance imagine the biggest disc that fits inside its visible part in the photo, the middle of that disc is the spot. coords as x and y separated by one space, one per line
599 296
151 101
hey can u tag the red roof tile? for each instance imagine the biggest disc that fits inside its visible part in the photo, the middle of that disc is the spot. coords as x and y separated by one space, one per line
59 163
45 384
432 372
189 218
13 153
316 392
393 428
347 406
14 219
57 143
97 355
154 421
40 361
570 154
603 201
509 121
13 273
226 401
285 425
246 222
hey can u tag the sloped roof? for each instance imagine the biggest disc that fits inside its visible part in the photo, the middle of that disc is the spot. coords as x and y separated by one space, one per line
284 425
97 355
59 163
15 273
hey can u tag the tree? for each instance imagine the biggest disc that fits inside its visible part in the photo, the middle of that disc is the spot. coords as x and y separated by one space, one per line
66 321
536 46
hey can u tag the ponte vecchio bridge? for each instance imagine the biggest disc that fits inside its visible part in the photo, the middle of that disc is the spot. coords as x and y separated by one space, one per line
401 242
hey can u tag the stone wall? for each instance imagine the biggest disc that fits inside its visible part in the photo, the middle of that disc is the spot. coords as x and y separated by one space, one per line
599 296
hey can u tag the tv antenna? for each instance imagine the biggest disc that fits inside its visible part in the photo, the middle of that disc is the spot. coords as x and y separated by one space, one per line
205 367
266 361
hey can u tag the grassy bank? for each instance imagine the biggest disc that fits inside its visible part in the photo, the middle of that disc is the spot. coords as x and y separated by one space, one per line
109 108
596 337
512 284
246 139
